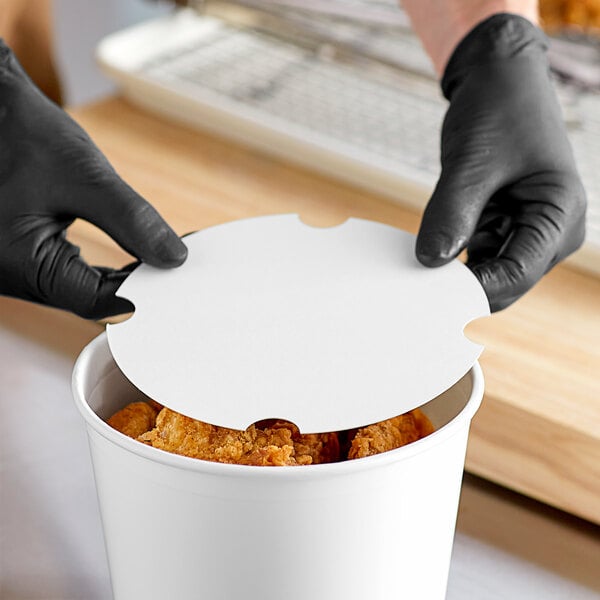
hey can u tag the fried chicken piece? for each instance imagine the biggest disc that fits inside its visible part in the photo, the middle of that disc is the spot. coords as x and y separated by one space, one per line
424 425
556 14
135 419
157 406
266 443
584 13
276 444
390 434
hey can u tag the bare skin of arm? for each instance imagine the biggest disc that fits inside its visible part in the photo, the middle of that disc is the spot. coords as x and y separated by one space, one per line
441 25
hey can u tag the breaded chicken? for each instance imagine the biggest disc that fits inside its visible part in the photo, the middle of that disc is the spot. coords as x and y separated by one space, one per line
267 443
583 14
277 444
390 434
135 419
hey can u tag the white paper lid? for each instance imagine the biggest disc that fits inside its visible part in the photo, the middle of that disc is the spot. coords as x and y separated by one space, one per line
330 328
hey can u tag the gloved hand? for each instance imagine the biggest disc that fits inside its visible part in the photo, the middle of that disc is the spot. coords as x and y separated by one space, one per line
509 191
50 174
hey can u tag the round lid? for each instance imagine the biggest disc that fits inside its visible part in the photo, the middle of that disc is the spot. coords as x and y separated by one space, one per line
330 328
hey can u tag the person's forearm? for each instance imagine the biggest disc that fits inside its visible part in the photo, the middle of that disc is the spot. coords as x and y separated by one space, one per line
441 25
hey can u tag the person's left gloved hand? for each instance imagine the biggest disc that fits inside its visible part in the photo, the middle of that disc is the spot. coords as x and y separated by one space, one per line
509 191
50 174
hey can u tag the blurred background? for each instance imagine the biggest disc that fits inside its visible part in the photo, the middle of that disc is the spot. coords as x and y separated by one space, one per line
79 25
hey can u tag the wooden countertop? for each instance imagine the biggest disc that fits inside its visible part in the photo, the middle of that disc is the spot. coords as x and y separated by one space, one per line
538 430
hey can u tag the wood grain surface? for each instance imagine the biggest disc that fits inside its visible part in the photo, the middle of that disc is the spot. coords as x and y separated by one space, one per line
538 431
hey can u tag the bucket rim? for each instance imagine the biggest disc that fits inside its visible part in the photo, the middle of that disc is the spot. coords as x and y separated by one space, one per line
95 423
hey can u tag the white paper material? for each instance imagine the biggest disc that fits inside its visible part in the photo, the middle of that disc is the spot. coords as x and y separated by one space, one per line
330 328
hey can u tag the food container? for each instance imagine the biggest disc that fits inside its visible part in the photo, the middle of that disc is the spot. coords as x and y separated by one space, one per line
175 527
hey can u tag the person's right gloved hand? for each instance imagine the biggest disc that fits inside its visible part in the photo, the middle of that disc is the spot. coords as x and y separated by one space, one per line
50 174
509 191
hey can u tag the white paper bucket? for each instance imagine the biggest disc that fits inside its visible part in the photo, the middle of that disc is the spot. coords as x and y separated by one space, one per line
179 528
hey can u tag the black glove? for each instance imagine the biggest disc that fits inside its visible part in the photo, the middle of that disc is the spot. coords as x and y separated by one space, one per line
50 174
509 191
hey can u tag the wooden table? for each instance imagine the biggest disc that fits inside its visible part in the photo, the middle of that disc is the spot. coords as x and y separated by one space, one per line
538 431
